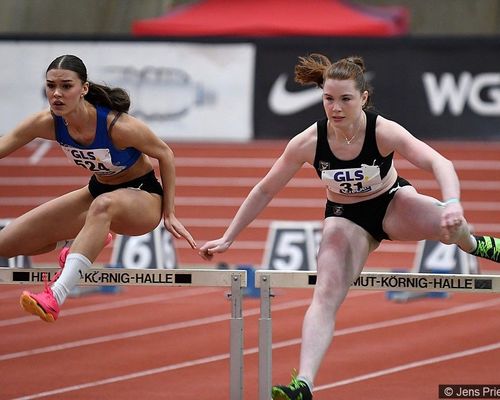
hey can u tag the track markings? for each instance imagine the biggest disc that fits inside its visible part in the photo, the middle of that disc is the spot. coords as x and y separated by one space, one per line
280 345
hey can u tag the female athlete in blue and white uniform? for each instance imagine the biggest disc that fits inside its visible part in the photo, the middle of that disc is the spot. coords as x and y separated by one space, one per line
91 124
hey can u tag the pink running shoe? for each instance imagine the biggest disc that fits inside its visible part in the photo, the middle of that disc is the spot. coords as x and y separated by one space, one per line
42 304
63 254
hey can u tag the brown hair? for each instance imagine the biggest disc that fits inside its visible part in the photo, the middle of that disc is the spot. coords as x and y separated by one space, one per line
317 68
116 99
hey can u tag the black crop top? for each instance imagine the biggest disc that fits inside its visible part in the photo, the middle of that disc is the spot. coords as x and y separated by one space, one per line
351 176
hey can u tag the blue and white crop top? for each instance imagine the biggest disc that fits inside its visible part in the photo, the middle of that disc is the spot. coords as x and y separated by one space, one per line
101 157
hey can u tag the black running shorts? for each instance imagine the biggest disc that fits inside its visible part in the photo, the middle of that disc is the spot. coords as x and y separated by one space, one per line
147 182
368 214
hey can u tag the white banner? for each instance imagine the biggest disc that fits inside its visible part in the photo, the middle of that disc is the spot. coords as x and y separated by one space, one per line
183 91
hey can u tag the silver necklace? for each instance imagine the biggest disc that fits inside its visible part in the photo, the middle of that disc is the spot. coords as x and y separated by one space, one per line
356 131
349 141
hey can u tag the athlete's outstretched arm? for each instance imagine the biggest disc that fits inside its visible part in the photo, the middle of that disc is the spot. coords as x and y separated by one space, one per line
131 132
39 125
297 152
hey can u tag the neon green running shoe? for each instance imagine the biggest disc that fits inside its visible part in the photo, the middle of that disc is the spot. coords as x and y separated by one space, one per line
296 390
487 247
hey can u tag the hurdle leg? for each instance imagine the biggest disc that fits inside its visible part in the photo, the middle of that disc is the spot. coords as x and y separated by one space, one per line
236 346
265 339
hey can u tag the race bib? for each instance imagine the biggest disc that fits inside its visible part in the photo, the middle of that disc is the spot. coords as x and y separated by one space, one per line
97 161
352 180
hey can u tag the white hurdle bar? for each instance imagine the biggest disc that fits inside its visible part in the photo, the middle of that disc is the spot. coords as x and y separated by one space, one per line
234 279
268 279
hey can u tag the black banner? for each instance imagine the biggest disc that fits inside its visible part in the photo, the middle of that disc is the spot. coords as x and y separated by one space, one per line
437 88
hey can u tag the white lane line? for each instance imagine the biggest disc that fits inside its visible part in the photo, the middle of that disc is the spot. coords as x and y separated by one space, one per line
347 331
236 202
40 152
144 332
415 364
247 162
159 329
224 181
111 305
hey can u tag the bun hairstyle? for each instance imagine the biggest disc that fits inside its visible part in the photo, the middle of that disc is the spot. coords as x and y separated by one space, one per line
116 99
316 68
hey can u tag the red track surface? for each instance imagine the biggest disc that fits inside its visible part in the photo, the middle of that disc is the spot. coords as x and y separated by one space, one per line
173 343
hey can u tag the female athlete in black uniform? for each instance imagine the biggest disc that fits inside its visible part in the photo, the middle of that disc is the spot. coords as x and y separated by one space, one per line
352 151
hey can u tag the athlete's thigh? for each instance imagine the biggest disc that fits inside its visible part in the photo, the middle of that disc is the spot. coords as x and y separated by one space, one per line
58 219
412 216
343 251
134 212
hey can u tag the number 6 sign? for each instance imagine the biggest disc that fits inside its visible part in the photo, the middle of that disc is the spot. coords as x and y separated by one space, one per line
154 250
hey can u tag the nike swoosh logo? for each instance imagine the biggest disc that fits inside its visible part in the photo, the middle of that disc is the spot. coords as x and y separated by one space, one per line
283 102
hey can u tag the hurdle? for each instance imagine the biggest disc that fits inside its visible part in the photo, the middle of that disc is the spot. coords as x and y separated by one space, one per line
236 280
419 282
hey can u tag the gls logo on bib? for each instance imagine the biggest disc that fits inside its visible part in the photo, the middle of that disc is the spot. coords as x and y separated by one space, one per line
467 89
352 180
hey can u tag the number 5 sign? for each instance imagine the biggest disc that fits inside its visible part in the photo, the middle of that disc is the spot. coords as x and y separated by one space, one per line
292 245
154 250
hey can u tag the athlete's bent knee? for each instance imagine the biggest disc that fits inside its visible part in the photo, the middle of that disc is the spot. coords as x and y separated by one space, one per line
100 206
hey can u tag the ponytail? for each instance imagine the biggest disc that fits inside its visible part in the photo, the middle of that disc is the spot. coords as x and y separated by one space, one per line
317 68
116 99
311 69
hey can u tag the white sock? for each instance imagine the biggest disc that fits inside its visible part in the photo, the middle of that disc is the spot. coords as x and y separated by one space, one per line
76 264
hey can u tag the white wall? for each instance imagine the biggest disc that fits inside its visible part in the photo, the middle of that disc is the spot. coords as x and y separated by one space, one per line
183 91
